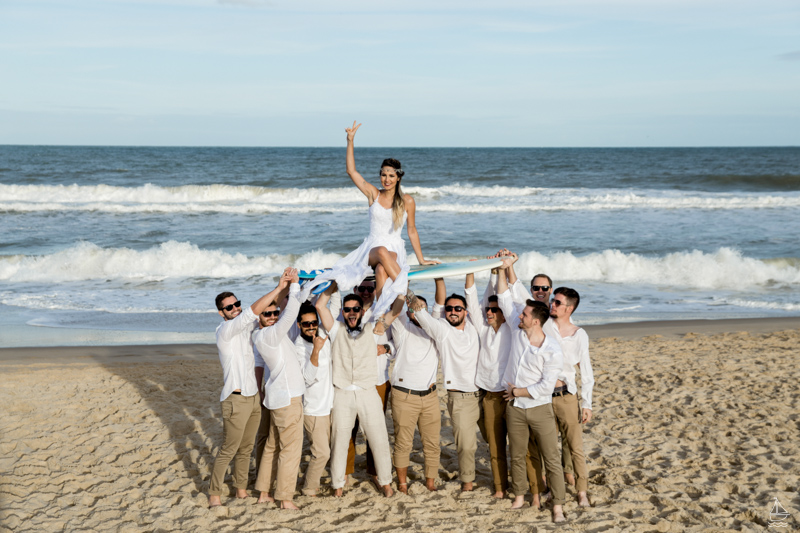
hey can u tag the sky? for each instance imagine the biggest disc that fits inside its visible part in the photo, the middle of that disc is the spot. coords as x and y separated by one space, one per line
531 73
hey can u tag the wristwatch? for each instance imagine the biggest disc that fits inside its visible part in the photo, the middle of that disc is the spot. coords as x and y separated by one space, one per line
388 348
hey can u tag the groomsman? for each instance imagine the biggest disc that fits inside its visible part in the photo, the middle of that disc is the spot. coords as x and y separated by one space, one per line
530 376
458 345
574 344
239 400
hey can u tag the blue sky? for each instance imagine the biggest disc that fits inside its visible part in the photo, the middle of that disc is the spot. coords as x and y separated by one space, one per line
447 73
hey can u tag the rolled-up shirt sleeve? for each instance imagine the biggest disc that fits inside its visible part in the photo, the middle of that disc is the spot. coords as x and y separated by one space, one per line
587 374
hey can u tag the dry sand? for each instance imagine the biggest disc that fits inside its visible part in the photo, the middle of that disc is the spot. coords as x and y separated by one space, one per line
691 432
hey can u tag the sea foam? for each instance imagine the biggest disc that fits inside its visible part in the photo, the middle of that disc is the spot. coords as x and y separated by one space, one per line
724 268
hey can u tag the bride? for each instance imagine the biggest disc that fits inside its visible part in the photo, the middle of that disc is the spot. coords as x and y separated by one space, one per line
383 250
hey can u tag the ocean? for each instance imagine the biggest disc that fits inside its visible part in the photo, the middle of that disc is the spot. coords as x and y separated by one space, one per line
129 245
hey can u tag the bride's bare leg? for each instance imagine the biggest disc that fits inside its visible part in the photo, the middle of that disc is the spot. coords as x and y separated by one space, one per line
382 257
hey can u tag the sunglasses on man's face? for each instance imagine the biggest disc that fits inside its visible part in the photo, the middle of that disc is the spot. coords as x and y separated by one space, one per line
366 288
494 310
356 309
271 313
229 308
309 323
543 288
558 303
456 308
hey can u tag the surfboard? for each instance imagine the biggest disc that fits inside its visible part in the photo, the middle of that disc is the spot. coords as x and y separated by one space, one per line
423 272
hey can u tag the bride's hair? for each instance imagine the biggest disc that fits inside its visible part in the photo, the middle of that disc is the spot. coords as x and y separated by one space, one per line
398 204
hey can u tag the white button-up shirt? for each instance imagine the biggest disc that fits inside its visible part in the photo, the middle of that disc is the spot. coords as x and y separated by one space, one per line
236 354
318 398
530 367
278 352
416 360
576 351
458 350
495 346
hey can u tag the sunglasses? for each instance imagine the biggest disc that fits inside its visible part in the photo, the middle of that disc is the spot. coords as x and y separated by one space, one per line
309 323
558 303
456 308
494 310
271 313
544 288
356 309
366 289
229 308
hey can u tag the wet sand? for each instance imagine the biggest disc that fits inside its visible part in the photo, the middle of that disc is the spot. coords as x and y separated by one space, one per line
696 428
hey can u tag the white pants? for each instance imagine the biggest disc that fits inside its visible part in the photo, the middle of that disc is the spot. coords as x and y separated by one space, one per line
367 406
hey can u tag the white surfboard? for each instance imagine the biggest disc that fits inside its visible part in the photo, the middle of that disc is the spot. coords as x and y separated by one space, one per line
451 270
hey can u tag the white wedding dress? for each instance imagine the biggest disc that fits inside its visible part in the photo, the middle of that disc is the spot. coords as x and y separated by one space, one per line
352 269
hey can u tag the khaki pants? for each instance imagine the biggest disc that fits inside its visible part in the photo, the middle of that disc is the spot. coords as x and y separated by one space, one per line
281 459
262 435
383 392
465 410
568 414
410 411
318 431
366 406
240 418
494 423
535 423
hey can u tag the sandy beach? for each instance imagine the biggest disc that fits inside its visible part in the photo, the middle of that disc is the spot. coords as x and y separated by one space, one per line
696 428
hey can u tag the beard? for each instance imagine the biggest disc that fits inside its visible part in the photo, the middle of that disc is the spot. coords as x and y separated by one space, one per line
455 321
357 324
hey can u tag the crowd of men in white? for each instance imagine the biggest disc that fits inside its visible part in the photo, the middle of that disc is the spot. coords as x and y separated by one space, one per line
508 366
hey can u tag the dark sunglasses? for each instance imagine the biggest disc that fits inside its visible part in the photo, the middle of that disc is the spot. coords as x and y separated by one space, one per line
271 313
494 310
229 308
456 308
557 303
544 288
366 289
309 323
356 309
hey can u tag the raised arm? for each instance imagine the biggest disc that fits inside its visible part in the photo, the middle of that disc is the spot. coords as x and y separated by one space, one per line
473 307
274 334
369 190
325 316
385 322
413 235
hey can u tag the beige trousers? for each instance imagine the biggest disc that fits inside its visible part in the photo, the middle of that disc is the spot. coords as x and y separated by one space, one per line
281 460
568 415
465 410
240 418
318 431
262 435
383 391
535 423
494 423
410 412
366 405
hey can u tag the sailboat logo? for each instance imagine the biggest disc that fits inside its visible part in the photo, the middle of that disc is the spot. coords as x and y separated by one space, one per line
778 515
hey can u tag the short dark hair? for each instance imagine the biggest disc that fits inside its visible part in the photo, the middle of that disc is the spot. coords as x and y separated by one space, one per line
549 279
493 299
457 297
572 296
221 296
422 298
306 309
351 297
539 310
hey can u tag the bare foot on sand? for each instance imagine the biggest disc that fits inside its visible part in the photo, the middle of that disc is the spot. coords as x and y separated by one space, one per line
430 484
518 502
558 514
466 487
403 487
499 494
241 494
214 501
265 497
583 499
569 478
338 493
387 490
289 504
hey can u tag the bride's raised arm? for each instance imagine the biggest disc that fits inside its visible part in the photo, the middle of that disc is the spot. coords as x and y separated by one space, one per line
369 190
